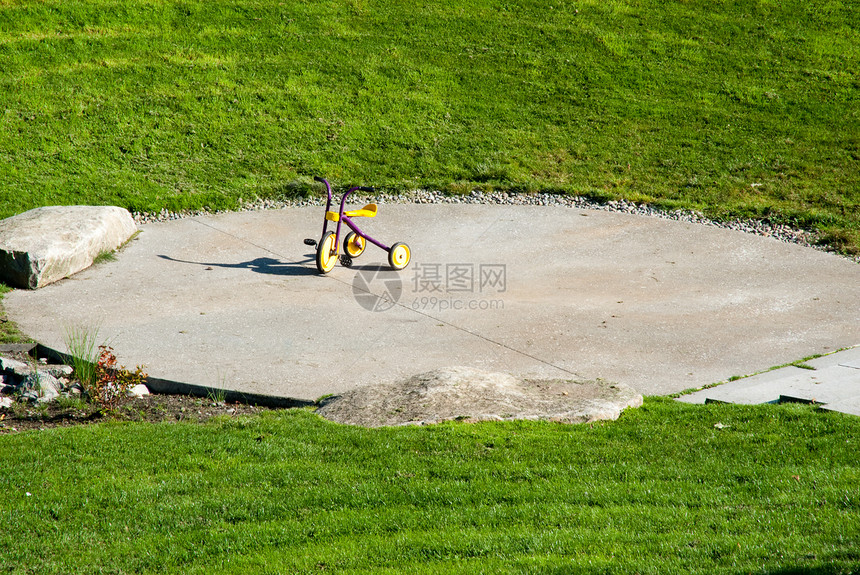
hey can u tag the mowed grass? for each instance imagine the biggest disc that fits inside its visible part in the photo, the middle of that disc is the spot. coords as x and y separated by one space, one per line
744 108
665 489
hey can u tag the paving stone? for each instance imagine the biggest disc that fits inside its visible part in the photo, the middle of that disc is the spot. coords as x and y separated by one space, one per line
48 244
832 384
850 406
762 388
846 357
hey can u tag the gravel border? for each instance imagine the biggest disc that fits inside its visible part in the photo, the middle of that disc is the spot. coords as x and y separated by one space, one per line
764 228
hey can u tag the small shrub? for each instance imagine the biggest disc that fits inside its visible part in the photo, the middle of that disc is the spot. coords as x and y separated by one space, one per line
110 386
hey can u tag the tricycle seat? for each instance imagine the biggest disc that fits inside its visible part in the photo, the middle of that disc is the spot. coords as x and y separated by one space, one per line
367 211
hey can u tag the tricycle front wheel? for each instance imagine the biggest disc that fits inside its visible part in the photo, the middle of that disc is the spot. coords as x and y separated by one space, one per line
326 253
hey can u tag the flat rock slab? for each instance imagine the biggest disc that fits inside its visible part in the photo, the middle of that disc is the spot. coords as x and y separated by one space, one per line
467 394
48 244
234 300
831 381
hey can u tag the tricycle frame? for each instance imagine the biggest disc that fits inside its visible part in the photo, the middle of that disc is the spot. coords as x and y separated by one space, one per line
354 243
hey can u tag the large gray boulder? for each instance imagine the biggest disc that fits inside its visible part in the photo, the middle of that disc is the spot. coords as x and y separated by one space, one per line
468 394
48 244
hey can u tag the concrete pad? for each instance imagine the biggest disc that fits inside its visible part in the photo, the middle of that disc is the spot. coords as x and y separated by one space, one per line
234 300
47 244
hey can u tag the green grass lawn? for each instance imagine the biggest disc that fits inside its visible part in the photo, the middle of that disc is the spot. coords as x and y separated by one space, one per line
661 490
742 108
734 108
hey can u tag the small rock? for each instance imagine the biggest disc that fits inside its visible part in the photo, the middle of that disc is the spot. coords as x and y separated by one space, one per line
59 371
44 385
19 368
6 402
138 390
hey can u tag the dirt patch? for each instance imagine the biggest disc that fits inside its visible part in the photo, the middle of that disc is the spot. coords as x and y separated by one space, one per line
70 410
468 394
151 409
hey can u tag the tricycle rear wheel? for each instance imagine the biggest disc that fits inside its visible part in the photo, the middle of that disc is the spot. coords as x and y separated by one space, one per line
354 244
399 256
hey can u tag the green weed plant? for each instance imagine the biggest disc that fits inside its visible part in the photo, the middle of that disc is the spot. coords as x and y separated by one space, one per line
83 346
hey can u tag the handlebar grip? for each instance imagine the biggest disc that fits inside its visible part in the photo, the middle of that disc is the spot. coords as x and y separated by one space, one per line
366 189
319 179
